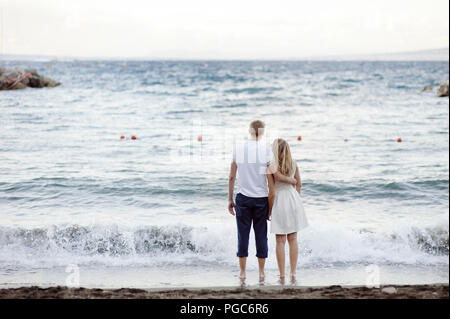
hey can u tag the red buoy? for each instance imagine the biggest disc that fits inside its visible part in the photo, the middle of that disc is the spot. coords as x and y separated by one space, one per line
399 140
133 137
199 138
299 138
122 137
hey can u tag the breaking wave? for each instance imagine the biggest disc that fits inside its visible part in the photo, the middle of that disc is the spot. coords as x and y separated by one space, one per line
181 244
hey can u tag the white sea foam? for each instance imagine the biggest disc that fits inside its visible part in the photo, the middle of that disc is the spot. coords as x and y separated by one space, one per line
114 245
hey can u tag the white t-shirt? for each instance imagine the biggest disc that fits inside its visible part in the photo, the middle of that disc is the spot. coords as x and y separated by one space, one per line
252 159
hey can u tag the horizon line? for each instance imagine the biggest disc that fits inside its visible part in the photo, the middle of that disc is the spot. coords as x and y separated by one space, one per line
336 57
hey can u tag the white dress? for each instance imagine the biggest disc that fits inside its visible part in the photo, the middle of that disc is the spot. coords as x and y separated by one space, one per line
288 215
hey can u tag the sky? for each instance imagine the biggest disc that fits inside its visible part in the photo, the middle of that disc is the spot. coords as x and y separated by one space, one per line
231 29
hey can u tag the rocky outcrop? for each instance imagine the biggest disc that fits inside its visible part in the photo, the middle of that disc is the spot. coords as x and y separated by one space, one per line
21 79
427 89
443 89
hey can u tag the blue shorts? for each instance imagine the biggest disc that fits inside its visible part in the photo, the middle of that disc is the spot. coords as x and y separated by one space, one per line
252 210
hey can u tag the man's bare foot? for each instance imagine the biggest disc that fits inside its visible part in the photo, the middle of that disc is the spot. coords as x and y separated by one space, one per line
242 279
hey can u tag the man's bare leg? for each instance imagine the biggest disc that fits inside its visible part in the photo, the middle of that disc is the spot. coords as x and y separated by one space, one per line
261 264
242 265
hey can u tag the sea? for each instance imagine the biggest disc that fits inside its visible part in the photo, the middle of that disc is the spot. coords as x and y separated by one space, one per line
83 203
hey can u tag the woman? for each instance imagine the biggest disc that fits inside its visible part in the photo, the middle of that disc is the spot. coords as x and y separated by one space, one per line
288 215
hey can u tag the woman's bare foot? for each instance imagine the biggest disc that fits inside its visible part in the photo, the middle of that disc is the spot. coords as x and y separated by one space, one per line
282 280
293 279
262 276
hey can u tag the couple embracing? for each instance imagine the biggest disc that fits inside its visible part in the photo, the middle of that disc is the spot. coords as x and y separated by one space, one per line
268 189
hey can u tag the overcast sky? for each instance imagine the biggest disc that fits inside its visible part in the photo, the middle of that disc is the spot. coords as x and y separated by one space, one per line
226 29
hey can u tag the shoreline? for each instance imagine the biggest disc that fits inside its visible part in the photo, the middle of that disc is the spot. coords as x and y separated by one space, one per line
434 291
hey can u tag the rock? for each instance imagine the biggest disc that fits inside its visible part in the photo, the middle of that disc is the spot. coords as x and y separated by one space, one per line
35 82
3 85
10 74
389 290
427 89
49 82
32 72
443 89
18 86
53 84
25 81
20 79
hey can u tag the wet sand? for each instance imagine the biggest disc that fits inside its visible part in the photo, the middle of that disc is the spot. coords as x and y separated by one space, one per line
438 291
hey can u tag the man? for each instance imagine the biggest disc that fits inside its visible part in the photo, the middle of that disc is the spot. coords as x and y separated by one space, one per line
251 161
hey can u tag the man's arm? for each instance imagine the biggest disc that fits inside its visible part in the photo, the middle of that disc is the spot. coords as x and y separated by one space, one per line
271 196
273 169
298 186
231 181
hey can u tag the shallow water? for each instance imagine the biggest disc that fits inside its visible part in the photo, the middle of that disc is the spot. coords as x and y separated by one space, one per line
73 192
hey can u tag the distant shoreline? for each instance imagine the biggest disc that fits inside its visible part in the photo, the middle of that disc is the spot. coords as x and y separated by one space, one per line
436 291
24 59
432 55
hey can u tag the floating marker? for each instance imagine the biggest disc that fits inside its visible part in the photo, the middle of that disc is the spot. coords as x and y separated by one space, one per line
299 138
399 140
122 137
199 138
133 137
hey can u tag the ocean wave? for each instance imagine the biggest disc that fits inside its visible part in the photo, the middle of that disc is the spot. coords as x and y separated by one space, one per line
229 106
185 111
351 80
147 82
375 190
222 78
253 90
98 240
43 188
433 241
320 245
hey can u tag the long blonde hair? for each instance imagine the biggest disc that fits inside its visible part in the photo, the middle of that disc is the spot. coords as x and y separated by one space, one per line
283 157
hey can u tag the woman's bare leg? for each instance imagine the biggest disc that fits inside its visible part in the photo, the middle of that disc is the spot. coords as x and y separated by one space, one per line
280 247
293 253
